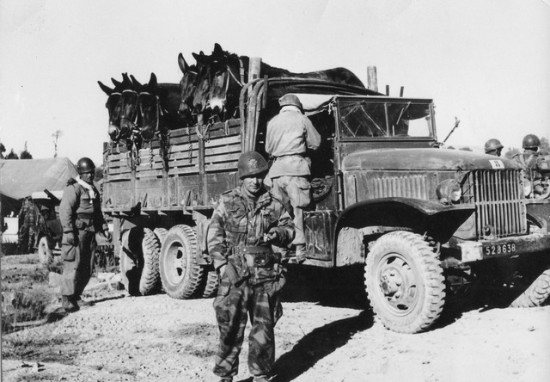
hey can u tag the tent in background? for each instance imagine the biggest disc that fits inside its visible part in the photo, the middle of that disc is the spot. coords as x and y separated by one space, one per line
20 178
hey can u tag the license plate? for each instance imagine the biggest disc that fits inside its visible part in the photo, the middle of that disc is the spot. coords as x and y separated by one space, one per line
499 249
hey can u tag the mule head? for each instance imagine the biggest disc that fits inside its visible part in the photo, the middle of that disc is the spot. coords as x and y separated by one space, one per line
129 112
113 106
227 79
188 85
150 109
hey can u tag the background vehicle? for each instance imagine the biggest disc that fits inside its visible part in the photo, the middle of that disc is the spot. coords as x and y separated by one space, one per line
385 195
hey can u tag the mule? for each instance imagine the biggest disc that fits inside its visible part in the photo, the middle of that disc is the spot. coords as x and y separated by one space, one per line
158 106
114 103
229 72
188 85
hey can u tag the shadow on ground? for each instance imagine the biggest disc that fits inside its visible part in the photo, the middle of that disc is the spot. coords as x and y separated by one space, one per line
340 287
318 344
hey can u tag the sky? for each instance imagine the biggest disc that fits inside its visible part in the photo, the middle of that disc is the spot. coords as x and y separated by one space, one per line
486 62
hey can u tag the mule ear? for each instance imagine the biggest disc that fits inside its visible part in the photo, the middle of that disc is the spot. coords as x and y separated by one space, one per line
126 81
183 65
152 82
202 58
117 84
135 83
106 89
217 49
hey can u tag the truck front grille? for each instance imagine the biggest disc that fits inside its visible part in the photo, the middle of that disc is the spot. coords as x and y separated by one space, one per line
499 200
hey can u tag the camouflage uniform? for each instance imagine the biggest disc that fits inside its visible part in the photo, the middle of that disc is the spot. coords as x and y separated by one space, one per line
252 279
28 220
80 214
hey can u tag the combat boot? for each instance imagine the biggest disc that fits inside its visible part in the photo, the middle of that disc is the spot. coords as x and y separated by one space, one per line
69 304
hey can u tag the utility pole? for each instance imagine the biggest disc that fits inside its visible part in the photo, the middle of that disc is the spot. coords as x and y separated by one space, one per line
56 136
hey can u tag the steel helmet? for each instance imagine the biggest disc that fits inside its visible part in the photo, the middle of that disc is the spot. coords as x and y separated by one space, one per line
531 141
252 163
85 165
290 99
492 145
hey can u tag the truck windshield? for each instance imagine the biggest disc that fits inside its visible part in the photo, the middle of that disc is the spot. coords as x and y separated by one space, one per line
384 118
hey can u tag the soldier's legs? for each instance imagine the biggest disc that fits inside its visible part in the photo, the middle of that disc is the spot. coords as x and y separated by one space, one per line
76 273
265 311
295 189
231 313
86 263
24 238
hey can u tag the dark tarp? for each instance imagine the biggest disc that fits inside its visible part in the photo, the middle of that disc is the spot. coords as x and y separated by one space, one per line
20 178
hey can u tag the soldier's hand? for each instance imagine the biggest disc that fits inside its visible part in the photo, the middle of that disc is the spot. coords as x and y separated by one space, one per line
107 235
70 238
270 237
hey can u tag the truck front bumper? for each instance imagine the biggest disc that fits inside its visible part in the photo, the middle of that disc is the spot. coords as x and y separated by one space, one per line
506 247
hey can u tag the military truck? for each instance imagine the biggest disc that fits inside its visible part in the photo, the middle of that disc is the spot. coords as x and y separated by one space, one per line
385 195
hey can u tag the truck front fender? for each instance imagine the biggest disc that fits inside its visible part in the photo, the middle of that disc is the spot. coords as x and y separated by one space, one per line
417 215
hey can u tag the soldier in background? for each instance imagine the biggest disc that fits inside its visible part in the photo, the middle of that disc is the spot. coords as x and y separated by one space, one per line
493 147
289 135
81 217
246 223
528 159
28 221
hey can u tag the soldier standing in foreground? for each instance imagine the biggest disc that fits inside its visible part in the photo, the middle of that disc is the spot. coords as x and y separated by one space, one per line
493 147
81 217
246 223
289 135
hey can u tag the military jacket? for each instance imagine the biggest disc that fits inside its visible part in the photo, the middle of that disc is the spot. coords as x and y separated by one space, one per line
239 221
78 210
289 134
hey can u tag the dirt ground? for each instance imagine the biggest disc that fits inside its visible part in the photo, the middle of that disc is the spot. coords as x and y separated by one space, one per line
327 333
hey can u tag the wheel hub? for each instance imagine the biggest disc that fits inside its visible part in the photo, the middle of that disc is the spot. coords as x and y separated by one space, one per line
397 283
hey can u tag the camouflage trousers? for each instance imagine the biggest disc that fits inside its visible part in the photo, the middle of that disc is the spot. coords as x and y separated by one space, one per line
232 305
78 263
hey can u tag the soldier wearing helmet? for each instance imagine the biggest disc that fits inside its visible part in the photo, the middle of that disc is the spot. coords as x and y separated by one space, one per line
493 147
528 159
289 135
247 222
81 217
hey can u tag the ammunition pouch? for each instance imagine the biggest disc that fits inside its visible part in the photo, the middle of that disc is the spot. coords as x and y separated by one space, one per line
257 264
84 221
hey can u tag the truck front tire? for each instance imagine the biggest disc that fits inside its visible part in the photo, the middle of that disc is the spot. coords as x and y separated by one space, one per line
180 272
404 282
536 294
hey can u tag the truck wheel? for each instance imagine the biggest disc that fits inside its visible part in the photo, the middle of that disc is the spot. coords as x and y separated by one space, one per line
404 282
211 286
536 294
45 253
180 272
161 234
150 278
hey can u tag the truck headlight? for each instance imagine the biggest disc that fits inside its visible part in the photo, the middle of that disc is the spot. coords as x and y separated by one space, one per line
449 191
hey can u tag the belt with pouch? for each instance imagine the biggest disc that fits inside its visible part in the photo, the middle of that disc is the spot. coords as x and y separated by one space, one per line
256 263
83 221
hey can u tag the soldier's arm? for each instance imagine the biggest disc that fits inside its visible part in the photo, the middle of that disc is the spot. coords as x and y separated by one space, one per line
217 246
67 209
284 229
99 218
313 138
269 145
